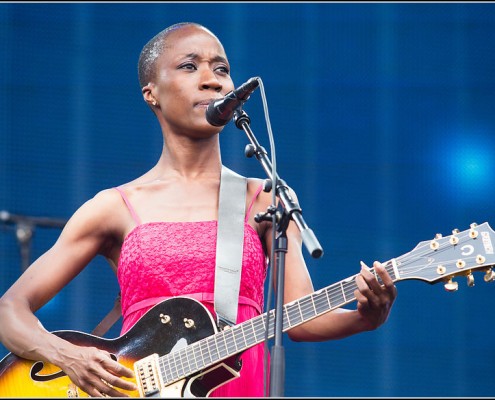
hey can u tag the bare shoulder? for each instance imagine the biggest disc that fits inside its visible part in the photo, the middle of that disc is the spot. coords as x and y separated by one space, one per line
102 214
102 203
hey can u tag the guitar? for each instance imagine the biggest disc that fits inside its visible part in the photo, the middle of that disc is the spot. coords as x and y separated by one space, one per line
176 349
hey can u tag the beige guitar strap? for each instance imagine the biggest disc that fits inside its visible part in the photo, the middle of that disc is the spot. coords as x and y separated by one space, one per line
109 320
230 244
229 250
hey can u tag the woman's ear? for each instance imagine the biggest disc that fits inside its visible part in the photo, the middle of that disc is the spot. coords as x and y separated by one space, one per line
148 95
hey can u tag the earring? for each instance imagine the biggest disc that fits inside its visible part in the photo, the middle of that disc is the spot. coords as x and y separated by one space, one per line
154 102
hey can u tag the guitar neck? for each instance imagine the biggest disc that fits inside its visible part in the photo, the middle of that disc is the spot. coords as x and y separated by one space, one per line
224 344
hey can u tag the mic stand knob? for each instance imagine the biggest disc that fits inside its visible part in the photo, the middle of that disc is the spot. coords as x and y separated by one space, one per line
266 216
267 185
249 150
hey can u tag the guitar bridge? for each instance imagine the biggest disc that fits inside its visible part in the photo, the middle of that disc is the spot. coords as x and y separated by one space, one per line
148 378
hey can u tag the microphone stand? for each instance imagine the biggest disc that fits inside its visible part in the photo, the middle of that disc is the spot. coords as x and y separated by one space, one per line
24 229
281 215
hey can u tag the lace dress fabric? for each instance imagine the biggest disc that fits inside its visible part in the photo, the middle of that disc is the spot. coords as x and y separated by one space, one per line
165 259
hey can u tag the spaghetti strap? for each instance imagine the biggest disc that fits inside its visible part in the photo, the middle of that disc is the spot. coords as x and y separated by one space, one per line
258 191
129 206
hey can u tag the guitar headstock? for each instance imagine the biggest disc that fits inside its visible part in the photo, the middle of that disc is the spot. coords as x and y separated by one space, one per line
442 258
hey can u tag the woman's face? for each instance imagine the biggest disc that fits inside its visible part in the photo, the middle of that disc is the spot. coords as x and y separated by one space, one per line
192 71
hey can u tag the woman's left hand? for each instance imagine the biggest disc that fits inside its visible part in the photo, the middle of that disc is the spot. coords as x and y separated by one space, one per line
375 300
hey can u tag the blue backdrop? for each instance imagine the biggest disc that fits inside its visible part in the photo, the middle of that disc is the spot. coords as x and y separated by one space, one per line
384 121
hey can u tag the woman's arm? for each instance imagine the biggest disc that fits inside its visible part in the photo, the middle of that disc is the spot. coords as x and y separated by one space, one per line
89 232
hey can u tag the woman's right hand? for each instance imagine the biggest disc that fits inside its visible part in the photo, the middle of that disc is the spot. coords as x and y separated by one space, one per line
95 372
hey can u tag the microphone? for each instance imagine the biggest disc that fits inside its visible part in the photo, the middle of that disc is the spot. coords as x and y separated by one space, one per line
221 111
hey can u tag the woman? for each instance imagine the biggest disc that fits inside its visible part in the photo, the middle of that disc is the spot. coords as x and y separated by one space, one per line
159 233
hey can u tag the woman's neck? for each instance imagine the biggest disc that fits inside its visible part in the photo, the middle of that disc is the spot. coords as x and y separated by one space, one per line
189 159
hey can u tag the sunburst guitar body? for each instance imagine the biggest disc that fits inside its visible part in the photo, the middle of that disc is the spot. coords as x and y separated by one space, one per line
167 327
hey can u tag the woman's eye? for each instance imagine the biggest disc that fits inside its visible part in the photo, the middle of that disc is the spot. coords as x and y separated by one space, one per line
223 70
188 66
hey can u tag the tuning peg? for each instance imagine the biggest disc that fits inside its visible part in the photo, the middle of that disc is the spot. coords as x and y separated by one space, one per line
489 275
438 236
472 232
451 286
470 280
434 245
454 239
480 259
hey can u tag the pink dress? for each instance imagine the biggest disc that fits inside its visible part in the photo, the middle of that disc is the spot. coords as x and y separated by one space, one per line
166 259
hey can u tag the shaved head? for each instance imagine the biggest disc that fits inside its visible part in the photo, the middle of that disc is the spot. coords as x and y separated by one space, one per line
155 48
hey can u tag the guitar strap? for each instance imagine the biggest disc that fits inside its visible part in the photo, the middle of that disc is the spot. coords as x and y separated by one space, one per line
109 320
229 251
230 243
